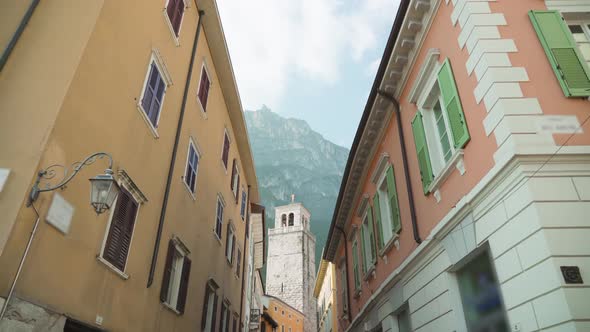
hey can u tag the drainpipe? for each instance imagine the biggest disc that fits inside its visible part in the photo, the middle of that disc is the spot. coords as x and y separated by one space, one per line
244 254
338 228
19 31
174 151
402 142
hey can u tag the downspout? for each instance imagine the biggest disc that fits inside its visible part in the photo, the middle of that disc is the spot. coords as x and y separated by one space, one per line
19 31
338 228
174 151
402 141
244 255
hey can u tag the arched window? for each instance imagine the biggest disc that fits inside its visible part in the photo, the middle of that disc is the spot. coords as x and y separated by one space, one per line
291 219
283 220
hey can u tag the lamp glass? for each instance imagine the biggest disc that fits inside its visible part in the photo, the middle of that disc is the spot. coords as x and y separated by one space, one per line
103 191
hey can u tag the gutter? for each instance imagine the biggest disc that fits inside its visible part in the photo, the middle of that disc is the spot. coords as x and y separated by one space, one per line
19 31
402 142
395 30
174 151
248 226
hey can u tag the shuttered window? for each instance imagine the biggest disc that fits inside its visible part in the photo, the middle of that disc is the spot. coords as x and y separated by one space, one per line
235 324
378 223
396 224
176 277
452 106
230 243
204 85
422 152
208 317
239 263
235 180
355 265
192 163
175 11
243 206
344 286
118 241
564 56
219 217
153 94
225 151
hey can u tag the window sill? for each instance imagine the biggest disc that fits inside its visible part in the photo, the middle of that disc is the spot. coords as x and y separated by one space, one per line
111 267
357 293
201 108
169 24
456 161
370 273
169 307
223 165
153 129
228 262
390 244
217 237
189 189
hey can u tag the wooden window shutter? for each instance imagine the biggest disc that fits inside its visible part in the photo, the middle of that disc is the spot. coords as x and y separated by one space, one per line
227 238
233 249
167 272
393 202
452 104
233 174
214 315
364 249
178 11
121 230
225 155
371 236
208 292
422 152
239 263
183 290
564 56
204 89
355 264
377 210
237 189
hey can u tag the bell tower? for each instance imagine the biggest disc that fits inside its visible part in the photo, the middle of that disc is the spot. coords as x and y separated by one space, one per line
291 260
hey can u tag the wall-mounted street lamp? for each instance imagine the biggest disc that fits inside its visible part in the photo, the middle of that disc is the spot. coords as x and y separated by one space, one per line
103 192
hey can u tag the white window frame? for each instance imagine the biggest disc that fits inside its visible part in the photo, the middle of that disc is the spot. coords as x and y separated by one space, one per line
385 212
234 180
204 68
192 191
225 305
100 257
584 23
222 201
229 249
225 132
243 206
176 275
155 58
169 24
212 292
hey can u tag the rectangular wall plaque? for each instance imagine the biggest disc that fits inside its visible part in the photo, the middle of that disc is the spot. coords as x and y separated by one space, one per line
4 172
60 213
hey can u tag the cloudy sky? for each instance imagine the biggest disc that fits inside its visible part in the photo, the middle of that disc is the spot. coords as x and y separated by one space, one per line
308 59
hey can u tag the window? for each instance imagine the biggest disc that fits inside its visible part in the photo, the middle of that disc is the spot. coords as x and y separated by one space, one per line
481 297
368 241
219 217
225 151
239 263
192 164
275 309
283 220
209 308
118 240
282 328
224 319
243 206
235 324
355 265
235 180
566 48
153 93
344 287
174 12
229 244
386 208
176 276
403 321
203 91
439 127
291 219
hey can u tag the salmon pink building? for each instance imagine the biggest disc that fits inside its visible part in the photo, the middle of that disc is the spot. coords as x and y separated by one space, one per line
465 200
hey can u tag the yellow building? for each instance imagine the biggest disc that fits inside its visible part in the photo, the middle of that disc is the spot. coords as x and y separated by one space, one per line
325 293
280 317
151 84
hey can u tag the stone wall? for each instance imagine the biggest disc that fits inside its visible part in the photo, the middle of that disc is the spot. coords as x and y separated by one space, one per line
23 316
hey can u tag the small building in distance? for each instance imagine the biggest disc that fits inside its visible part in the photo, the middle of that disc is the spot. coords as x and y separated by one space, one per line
325 293
280 316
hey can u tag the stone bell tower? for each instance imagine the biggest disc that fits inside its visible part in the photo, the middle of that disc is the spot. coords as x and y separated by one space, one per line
291 261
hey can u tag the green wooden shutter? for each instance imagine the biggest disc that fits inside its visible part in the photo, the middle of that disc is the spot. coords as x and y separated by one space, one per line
565 58
422 152
377 210
452 104
371 236
364 248
355 265
396 224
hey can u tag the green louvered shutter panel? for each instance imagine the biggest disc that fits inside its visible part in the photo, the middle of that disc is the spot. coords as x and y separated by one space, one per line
364 249
371 236
355 265
422 152
565 58
396 224
452 104
377 210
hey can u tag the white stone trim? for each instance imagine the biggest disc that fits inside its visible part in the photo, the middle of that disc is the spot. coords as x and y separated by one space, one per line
568 5
380 168
428 66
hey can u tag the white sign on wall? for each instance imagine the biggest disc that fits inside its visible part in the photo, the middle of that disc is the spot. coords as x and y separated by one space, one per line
559 124
60 213
4 172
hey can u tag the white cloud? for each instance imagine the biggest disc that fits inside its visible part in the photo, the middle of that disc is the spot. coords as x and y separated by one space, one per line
269 40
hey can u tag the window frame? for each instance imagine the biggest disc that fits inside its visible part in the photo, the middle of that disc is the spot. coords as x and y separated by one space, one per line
101 257
225 163
235 180
155 59
383 197
175 35
192 191
355 266
368 263
176 277
204 70
230 243
243 205
585 25
219 219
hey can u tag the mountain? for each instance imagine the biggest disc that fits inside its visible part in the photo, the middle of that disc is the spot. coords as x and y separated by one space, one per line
291 158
